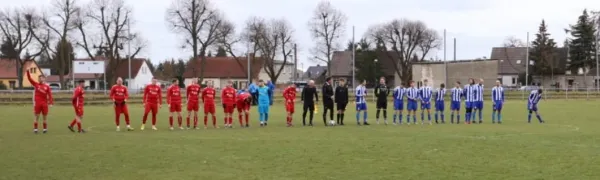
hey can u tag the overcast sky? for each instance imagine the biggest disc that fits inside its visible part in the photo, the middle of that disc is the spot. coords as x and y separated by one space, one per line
478 25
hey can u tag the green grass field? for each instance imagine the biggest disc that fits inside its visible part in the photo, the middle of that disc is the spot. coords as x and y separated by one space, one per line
566 147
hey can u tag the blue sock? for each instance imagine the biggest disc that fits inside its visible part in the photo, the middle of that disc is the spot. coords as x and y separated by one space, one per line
493 116
436 116
422 116
415 118
529 117
442 116
457 118
261 117
480 115
266 117
357 117
452 116
499 117
395 116
467 117
408 118
473 115
539 117
429 116
400 119
365 116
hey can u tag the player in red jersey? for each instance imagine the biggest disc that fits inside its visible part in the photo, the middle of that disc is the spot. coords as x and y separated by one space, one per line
192 94
42 98
228 100
152 102
289 94
243 107
174 102
77 102
119 96
208 98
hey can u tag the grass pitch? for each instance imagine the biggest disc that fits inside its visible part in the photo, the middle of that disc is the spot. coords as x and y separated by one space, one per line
566 147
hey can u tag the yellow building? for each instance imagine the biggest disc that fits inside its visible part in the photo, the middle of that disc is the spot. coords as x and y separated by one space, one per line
8 73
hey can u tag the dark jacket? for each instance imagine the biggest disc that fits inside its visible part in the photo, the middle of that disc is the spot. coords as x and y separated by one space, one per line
327 93
382 92
341 94
308 94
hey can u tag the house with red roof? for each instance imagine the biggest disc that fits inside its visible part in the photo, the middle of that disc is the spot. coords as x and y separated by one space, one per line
8 72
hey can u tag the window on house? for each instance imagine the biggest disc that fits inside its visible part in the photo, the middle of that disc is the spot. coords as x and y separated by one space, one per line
12 84
518 61
143 70
514 80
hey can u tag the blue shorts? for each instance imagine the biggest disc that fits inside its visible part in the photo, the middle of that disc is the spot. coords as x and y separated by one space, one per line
439 106
455 105
361 106
425 105
497 105
532 107
469 105
263 108
411 105
398 105
478 104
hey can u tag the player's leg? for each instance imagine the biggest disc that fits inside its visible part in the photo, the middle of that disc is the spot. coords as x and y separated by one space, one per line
537 114
377 111
267 110
179 118
189 116
325 109
331 111
499 112
214 117
125 112
36 117
247 114
117 109
304 111
154 111
171 114
480 112
365 114
338 114
384 109
428 109
195 112
311 110
206 110
147 110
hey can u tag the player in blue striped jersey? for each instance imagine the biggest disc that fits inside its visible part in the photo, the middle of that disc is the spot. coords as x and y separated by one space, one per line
478 103
425 94
361 102
439 102
398 95
469 93
498 100
534 99
412 95
455 99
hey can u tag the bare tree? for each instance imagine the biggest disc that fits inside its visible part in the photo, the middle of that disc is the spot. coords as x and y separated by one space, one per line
18 27
59 21
105 27
512 41
404 41
327 27
273 40
200 24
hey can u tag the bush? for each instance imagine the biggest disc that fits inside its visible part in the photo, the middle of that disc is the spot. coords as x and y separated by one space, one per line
2 86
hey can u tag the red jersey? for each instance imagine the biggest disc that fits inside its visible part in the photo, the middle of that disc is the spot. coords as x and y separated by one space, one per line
118 93
42 93
174 95
228 95
289 94
77 100
243 96
153 94
193 93
208 95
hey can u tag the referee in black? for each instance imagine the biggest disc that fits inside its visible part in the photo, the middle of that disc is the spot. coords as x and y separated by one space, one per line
308 94
382 91
341 100
327 91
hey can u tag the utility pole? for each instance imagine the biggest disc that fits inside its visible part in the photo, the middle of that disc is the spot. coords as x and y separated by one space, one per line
295 63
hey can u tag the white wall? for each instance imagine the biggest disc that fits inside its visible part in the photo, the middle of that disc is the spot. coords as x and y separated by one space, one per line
285 76
143 77
510 80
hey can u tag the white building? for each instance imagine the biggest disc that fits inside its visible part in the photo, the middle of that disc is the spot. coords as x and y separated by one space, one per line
287 73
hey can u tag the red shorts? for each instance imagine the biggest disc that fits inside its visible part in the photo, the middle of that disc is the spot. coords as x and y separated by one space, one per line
78 111
209 108
41 108
289 107
228 108
151 108
121 108
243 106
192 106
175 107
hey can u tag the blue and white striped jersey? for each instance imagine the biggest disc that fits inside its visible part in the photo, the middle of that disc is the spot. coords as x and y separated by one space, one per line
361 94
456 94
412 93
399 93
425 93
497 93
534 97
469 93
478 92
439 95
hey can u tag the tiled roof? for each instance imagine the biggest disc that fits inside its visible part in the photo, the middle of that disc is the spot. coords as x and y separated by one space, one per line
224 67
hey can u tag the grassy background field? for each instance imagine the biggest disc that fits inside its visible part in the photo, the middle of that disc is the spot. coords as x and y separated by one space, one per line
566 147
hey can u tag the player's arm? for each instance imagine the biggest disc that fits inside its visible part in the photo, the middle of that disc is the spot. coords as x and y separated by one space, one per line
316 95
159 96
126 95
502 95
302 94
377 90
31 81
531 97
50 98
112 93
203 95
169 91
74 98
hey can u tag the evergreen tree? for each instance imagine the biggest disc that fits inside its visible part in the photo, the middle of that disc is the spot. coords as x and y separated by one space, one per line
221 52
7 49
366 66
543 52
582 47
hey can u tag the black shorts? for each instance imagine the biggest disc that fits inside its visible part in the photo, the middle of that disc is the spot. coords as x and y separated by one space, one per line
381 105
309 107
342 106
328 105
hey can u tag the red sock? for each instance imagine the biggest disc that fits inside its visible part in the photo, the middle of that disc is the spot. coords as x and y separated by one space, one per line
230 120
145 118
247 114
241 120
195 121
179 120
117 119
205 120
73 122
79 126
226 120
154 119
187 121
45 125
170 121
214 120
126 118
35 125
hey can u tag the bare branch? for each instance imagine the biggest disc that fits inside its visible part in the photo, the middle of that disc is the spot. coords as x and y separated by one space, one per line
327 27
